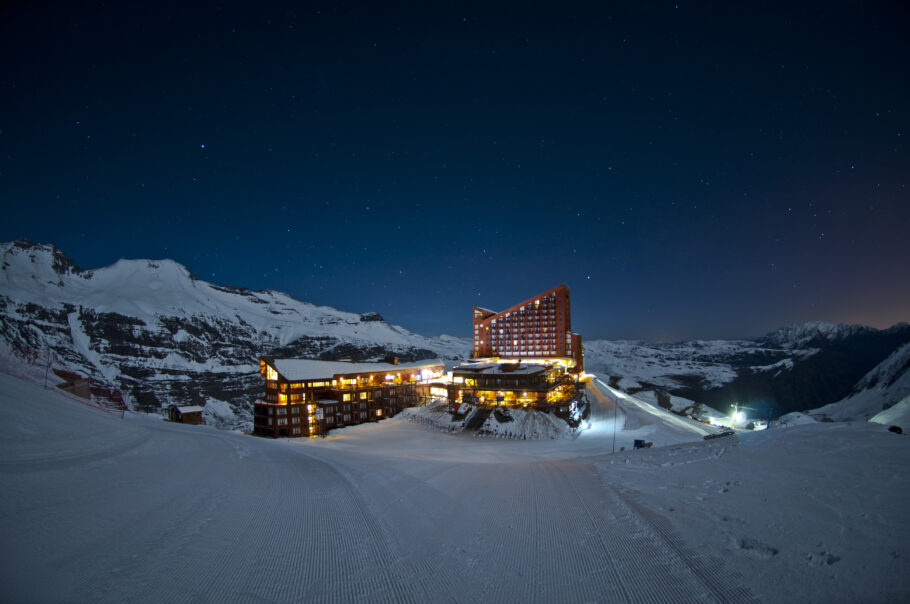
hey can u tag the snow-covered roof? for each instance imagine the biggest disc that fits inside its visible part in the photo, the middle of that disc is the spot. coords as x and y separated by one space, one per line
501 368
190 409
306 369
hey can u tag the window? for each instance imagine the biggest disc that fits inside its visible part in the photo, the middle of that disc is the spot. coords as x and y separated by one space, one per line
346 397
330 419
347 417
379 413
363 396
282 421
363 415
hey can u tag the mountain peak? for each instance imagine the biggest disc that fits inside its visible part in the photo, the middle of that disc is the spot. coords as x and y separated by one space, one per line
39 254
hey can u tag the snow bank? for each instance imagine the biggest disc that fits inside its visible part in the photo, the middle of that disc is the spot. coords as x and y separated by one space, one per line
434 416
220 414
520 424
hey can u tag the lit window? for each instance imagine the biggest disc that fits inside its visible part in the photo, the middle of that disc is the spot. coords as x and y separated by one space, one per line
346 397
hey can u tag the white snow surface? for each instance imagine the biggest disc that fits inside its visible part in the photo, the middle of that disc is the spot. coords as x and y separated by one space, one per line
306 369
677 403
99 508
526 425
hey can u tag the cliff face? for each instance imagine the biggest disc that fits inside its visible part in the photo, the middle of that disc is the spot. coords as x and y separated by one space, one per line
159 334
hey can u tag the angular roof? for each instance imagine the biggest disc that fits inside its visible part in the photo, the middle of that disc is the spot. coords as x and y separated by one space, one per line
561 289
497 368
189 409
306 369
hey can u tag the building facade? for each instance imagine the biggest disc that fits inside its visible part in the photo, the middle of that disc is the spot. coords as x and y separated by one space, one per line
525 355
308 398
538 328
538 385
186 414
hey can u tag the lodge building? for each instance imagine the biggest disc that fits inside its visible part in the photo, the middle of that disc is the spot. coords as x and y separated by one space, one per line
524 356
537 328
307 398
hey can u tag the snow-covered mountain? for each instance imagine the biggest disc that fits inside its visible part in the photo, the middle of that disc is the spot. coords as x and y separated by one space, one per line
796 368
813 333
158 333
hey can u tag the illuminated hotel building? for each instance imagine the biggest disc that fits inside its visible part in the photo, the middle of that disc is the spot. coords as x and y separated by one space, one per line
523 356
307 398
538 328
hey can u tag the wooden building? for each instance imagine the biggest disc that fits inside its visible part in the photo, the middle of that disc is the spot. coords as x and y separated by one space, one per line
307 398
186 414
74 383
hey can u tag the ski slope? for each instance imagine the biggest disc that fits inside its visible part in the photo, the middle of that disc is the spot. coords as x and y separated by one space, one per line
96 507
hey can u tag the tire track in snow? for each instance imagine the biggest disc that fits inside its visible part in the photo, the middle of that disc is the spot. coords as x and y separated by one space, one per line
638 561
710 572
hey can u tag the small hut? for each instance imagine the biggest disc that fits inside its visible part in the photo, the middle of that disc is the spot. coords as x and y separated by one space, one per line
73 383
186 414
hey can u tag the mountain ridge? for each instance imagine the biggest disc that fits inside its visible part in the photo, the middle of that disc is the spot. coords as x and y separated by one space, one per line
155 331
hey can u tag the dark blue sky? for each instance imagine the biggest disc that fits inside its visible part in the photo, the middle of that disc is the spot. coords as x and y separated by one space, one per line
688 170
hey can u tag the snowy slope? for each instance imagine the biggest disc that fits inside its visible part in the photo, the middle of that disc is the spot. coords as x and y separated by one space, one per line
102 509
152 328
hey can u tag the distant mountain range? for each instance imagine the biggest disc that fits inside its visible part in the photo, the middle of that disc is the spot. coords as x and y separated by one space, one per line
796 368
160 335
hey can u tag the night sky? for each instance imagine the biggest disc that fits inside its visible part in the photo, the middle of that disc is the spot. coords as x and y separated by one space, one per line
688 170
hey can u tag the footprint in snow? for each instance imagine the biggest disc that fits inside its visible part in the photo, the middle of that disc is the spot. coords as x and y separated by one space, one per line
822 558
756 548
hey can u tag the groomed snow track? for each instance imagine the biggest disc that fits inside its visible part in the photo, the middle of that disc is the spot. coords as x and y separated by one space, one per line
102 509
